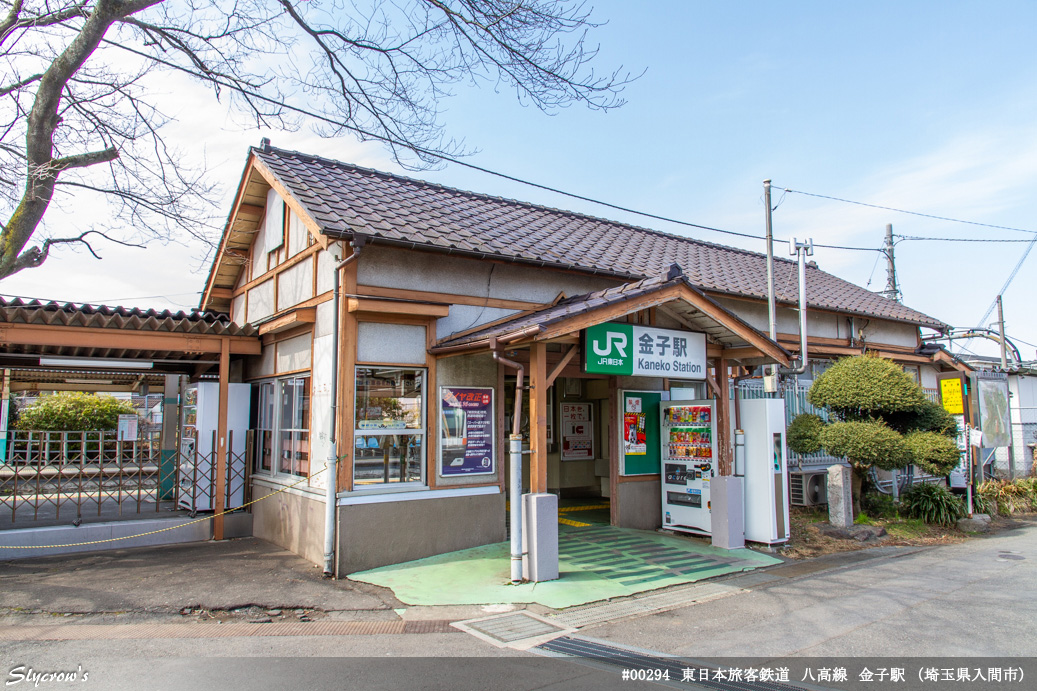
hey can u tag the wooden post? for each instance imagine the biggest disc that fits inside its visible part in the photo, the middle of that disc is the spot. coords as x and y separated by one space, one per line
538 418
724 446
221 441
346 383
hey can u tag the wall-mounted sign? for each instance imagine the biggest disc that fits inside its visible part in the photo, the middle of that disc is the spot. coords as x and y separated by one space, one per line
951 396
466 430
577 432
631 350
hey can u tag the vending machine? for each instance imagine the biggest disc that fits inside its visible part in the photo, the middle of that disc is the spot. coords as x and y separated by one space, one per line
200 415
689 454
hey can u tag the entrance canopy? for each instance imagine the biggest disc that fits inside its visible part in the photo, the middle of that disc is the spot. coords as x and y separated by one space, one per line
672 295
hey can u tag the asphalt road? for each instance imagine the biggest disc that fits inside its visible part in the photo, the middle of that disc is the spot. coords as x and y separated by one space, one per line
949 603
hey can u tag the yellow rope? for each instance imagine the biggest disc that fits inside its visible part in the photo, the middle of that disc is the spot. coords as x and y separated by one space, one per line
175 527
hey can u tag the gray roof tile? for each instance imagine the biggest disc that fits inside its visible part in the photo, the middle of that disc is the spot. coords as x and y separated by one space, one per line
346 199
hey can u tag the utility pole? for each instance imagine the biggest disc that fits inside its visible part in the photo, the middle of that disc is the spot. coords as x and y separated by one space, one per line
1001 329
1004 368
770 384
891 292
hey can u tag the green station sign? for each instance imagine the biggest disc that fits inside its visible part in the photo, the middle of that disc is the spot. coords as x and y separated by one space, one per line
631 350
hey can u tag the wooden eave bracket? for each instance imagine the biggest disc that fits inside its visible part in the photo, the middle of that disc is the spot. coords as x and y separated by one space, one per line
297 317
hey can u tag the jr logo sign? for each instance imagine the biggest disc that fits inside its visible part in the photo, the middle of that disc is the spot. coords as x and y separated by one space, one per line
625 349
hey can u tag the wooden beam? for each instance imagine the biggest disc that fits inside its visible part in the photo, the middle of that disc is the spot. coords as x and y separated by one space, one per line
278 269
449 298
561 365
725 449
538 418
607 313
348 328
306 315
210 282
420 309
219 492
293 203
118 339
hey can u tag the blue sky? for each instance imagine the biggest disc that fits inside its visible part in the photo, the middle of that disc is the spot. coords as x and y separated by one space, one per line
925 106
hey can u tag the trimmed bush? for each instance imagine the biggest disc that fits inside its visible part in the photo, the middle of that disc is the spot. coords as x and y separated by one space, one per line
933 503
866 444
932 452
804 433
73 411
865 386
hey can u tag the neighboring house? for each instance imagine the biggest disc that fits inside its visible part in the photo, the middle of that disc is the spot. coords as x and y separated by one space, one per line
440 281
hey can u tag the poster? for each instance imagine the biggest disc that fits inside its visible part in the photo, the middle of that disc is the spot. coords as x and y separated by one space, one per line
635 443
466 431
577 432
993 412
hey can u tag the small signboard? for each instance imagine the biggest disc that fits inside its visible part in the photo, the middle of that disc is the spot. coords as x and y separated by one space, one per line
127 430
631 350
466 430
577 432
952 397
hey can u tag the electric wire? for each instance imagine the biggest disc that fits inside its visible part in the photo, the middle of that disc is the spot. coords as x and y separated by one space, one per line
917 213
449 159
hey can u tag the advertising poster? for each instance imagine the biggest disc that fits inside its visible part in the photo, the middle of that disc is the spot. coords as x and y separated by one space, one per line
635 442
993 412
577 432
466 430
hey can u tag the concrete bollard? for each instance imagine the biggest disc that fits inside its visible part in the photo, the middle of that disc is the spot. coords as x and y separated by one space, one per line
727 513
540 537
840 496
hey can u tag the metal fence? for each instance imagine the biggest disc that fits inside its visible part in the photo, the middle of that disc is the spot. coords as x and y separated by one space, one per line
57 476
1018 461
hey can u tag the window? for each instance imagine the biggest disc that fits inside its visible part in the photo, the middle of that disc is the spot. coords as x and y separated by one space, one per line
389 436
283 427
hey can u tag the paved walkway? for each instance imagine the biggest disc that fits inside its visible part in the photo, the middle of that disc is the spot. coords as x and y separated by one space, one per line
596 562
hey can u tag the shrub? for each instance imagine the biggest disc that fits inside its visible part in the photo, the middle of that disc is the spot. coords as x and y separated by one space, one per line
803 434
932 452
1007 497
73 411
879 505
857 388
866 444
933 503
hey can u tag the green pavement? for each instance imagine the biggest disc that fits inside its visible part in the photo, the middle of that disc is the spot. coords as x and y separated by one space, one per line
596 562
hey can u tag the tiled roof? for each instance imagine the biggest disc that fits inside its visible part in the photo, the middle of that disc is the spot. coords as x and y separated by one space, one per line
199 323
345 199
581 304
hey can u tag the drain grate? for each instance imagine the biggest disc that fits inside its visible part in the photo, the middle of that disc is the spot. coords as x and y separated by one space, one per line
672 599
514 630
601 655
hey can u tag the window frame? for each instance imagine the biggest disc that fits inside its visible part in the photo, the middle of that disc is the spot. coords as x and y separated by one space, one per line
421 432
274 387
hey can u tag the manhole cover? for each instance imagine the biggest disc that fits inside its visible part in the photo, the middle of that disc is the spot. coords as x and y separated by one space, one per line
515 630
1010 556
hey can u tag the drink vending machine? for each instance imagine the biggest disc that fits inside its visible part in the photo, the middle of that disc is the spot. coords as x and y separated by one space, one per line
689 463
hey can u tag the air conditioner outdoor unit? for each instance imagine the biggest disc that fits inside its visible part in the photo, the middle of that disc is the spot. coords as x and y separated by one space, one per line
808 489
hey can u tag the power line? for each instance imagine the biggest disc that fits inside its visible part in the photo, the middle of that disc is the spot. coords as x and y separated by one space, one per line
465 164
918 213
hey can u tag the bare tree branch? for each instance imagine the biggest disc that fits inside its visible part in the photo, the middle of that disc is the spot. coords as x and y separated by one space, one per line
78 115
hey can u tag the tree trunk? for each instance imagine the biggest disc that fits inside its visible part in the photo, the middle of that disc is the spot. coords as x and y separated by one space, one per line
856 483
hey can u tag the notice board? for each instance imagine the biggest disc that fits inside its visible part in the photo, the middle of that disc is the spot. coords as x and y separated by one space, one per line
639 445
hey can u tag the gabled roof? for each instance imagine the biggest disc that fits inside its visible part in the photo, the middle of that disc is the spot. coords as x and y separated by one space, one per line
671 293
344 200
